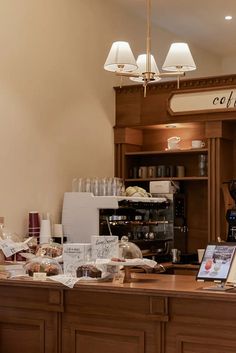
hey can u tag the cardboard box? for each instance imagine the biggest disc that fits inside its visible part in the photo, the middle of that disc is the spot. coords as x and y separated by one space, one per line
163 187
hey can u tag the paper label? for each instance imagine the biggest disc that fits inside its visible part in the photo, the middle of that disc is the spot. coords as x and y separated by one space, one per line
10 248
68 281
39 276
119 278
74 255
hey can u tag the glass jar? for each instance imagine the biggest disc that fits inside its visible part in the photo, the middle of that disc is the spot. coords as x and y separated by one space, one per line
202 165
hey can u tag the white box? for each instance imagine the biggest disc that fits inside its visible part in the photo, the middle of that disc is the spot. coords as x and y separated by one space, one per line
104 246
163 187
75 254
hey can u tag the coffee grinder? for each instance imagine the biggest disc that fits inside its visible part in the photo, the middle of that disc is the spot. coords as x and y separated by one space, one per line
231 212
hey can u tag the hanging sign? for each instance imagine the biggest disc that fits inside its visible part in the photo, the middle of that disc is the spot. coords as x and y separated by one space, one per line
201 101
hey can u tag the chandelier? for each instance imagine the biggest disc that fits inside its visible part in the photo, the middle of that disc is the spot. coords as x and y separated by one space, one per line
121 60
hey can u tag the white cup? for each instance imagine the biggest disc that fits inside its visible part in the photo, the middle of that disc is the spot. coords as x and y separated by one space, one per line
200 253
57 230
45 227
198 144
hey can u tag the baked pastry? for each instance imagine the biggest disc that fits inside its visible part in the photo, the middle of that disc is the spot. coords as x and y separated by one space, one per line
88 271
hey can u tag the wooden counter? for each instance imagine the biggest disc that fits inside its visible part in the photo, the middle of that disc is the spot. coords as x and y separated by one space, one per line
152 314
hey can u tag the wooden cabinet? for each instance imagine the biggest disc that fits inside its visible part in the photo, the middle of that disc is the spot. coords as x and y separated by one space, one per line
142 128
29 319
148 147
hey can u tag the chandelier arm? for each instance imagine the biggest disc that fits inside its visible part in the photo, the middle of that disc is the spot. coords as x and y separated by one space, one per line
168 74
127 74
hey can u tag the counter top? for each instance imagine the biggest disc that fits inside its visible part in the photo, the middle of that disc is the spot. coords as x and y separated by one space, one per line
147 284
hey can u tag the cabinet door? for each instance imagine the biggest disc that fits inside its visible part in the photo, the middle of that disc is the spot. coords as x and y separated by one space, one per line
112 323
89 339
28 331
29 318
206 326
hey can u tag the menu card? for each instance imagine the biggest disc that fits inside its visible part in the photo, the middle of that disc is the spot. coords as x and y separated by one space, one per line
75 254
104 246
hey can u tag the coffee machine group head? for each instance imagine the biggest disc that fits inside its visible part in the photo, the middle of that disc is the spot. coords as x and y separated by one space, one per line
231 212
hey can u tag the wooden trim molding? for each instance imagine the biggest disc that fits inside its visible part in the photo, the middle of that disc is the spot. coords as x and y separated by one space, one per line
224 80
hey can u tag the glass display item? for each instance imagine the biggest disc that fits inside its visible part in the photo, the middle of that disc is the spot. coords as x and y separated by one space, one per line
128 250
49 249
43 264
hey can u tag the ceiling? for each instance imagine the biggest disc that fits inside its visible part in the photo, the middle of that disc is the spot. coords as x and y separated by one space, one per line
201 22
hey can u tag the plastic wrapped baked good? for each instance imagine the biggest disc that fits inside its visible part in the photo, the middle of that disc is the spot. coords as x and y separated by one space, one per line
43 264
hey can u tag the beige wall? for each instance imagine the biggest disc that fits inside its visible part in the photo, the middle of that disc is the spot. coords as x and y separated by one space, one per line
229 64
56 101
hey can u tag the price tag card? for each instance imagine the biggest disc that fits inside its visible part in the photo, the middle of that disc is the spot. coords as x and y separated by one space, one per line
39 276
119 278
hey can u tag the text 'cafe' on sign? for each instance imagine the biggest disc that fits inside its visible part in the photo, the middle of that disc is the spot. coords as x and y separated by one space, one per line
202 100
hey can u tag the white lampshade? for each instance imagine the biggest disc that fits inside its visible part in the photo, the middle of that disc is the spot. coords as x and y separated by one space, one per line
141 62
179 58
120 55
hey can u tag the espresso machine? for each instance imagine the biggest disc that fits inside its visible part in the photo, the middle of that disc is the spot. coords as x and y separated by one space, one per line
231 213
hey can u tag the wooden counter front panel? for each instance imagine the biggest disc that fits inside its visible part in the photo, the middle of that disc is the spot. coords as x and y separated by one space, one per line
112 323
27 331
30 319
201 326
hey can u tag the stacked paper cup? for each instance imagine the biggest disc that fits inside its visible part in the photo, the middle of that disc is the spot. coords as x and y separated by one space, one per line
34 224
45 231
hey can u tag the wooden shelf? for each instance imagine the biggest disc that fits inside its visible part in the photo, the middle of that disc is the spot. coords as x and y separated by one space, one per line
183 151
192 178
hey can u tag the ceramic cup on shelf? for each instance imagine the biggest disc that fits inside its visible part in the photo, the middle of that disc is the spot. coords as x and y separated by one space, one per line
180 171
142 172
151 171
161 171
173 142
197 144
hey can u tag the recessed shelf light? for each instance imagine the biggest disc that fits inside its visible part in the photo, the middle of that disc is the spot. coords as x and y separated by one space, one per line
228 18
169 126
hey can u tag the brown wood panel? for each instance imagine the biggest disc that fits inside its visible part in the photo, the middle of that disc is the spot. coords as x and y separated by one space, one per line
211 189
128 135
128 107
196 328
47 299
187 344
106 340
28 331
